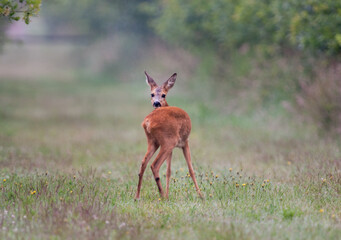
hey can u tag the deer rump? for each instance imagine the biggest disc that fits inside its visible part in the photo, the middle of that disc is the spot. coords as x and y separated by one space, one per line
167 123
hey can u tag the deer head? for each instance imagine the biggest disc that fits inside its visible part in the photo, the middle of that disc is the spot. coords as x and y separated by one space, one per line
159 93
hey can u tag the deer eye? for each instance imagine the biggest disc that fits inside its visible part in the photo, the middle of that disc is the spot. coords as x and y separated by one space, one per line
163 95
152 94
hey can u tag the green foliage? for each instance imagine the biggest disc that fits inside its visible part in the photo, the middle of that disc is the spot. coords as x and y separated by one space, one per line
93 17
15 10
311 25
19 9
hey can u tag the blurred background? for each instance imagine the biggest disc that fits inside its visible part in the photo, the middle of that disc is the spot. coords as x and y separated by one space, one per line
250 74
260 79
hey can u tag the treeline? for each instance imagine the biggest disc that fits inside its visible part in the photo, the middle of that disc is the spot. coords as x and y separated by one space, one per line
309 25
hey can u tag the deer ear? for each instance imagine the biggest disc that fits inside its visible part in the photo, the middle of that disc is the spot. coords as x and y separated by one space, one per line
150 81
170 82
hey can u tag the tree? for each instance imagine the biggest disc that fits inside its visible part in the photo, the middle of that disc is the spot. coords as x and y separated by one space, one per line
15 10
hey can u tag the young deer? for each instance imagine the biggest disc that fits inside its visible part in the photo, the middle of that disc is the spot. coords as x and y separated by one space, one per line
165 127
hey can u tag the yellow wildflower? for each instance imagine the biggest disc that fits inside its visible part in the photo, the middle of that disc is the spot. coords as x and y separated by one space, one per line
5 180
321 210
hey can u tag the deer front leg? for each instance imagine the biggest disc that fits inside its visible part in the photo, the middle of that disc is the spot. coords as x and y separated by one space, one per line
150 152
187 155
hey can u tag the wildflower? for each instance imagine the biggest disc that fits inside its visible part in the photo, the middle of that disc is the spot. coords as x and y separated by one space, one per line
333 215
263 185
267 180
210 183
6 11
321 210
230 169
216 176
33 192
5 180
244 184
210 194
159 199
70 191
237 185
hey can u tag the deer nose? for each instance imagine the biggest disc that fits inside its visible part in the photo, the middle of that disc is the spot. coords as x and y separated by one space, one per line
157 104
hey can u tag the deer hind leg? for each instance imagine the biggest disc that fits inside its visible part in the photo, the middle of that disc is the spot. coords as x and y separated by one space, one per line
150 152
168 174
187 155
159 160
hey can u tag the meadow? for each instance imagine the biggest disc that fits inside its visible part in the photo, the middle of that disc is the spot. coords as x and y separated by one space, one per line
71 147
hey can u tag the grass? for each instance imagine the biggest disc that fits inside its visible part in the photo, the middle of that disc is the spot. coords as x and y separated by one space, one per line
71 147
70 154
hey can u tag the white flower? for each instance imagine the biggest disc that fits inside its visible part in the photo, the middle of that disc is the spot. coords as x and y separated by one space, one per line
122 225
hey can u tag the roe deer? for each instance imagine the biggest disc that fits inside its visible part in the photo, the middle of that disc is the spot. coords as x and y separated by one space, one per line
165 127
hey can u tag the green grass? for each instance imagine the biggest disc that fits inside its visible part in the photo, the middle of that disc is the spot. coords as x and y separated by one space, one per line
70 152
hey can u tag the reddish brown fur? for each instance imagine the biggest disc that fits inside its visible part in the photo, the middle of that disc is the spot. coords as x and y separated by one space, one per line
165 127
175 133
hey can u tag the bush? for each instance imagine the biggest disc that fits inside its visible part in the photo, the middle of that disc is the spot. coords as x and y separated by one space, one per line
320 100
311 25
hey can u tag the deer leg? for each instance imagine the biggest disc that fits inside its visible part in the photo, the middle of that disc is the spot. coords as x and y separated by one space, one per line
187 155
160 158
168 174
150 151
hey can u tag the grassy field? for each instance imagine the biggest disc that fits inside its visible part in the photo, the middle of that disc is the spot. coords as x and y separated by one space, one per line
70 152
